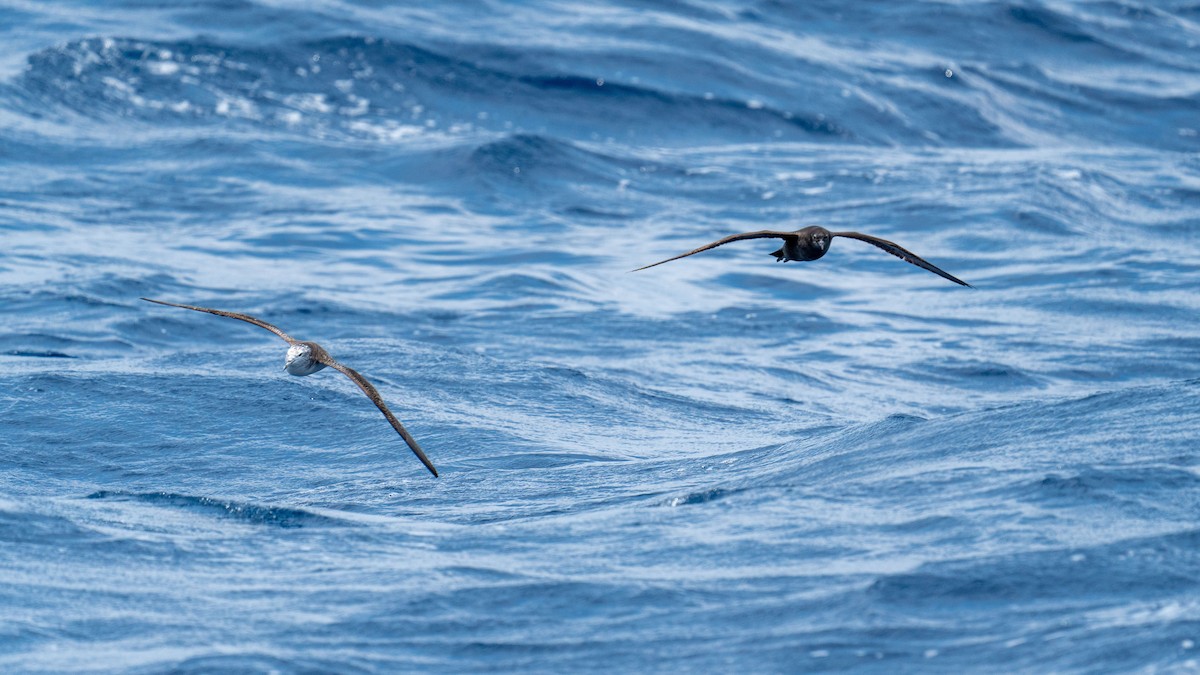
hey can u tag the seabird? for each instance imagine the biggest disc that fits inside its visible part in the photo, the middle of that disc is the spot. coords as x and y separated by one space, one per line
306 358
812 242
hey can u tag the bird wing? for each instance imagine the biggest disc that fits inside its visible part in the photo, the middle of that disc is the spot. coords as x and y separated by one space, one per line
373 394
233 315
761 234
903 254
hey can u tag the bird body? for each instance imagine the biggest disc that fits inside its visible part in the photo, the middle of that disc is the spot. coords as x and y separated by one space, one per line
306 358
808 244
811 243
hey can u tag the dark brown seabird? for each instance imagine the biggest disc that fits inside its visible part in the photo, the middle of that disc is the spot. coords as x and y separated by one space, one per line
812 242
306 358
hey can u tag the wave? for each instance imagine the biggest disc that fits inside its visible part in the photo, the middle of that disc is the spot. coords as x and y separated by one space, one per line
254 514
367 88
1140 567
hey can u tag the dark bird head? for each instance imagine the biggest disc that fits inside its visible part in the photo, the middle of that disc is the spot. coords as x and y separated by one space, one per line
809 243
818 241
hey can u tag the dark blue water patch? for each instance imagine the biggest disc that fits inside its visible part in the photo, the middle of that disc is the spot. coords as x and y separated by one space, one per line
1041 221
533 161
505 285
1102 31
52 346
1141 568
38 354
161 417
798 373
63 538
855 456
537 460
700 497
1052 38
574 394
1056 24
787 289
731 115
315 238
416 622
250 22
596 213
792 324
983 375
255 514
98 296
1149 492
252 660
605 329
468 254
11 17
927 525
1116 481
1113 308
1147 119
20 527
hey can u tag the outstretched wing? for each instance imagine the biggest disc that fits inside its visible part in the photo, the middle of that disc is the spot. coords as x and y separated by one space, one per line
903 254
761 234
373 394
233 315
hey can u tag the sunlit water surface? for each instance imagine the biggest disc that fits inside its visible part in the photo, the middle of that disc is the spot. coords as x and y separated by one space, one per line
721 462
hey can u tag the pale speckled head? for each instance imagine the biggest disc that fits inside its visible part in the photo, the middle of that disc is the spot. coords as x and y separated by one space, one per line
300 360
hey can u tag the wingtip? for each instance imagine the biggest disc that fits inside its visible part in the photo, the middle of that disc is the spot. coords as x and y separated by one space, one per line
424 459
428 465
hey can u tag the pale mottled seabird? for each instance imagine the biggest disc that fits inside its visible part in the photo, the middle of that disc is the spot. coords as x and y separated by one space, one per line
813 242
306 358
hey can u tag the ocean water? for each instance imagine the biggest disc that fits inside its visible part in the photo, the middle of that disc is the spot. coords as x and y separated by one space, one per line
719 463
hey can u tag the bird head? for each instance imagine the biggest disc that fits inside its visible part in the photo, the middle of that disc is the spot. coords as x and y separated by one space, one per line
300 360
821 238
813 242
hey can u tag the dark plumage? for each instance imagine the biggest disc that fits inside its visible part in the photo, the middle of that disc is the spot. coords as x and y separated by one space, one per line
812 242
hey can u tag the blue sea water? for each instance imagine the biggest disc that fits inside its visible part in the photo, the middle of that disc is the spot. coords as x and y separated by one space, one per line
720 463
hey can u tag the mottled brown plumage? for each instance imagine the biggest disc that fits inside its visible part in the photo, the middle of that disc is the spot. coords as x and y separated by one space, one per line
305 358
